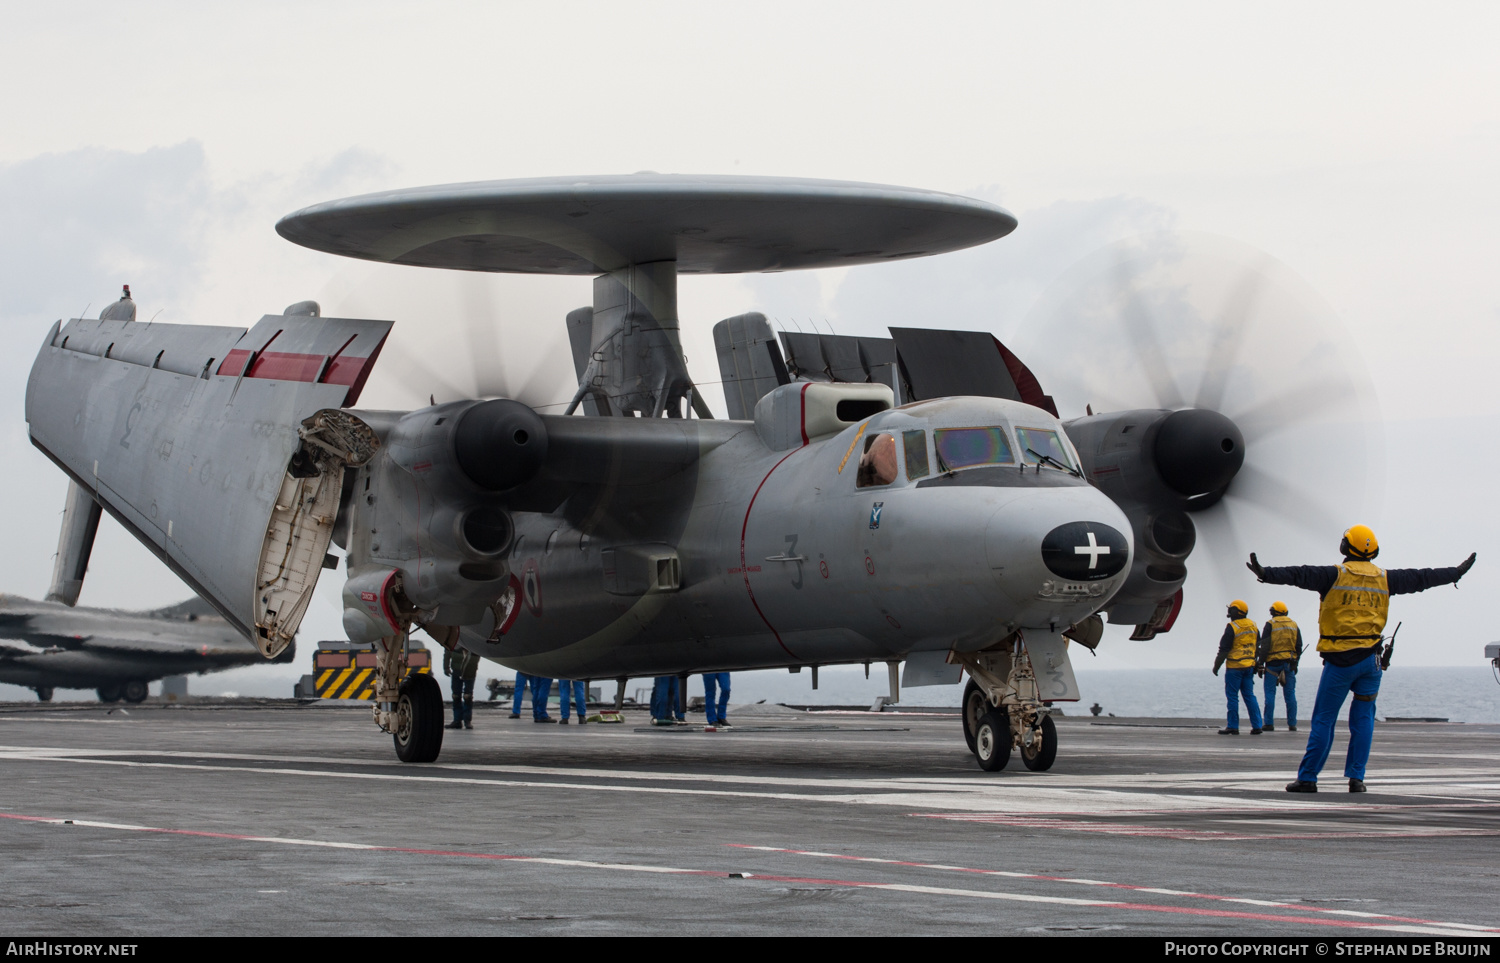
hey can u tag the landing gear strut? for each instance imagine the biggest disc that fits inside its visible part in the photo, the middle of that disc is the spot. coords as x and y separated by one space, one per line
410 710
1002 709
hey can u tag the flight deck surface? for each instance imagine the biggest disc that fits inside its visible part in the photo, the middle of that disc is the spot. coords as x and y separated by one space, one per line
275 819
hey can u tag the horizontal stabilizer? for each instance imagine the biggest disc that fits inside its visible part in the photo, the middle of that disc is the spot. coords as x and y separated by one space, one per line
942 364
832 357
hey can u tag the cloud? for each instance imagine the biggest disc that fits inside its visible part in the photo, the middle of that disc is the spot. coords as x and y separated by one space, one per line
77 226
80 224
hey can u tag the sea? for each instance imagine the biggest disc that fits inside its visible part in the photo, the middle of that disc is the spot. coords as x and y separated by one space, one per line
1456 693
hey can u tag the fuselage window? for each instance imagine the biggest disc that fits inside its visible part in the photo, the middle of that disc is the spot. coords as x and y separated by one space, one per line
877 466
1036 442
915 443
967 447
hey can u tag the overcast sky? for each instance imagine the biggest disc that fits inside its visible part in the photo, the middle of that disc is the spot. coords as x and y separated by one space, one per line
1356 145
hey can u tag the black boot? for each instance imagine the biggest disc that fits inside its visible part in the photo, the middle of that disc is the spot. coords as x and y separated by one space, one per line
1301 786
1229 732
1357 785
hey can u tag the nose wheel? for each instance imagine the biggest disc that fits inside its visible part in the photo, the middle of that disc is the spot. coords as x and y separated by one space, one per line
1039 746
992 740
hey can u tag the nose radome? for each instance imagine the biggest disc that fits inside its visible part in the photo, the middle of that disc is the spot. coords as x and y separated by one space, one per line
1085 551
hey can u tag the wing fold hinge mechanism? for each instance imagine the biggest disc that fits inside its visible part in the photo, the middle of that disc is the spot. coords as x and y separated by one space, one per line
302 520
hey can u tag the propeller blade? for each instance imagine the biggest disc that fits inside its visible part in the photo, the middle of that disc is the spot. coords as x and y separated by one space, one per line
1297 406
481 325
1257 487
1224 548
1143 340
1234 322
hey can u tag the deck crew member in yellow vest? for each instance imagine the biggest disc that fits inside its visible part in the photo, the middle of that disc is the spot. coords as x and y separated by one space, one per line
1237 649
1356 600
1276 661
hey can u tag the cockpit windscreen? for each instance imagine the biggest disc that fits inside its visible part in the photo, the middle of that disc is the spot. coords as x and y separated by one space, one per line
1036 442
966 447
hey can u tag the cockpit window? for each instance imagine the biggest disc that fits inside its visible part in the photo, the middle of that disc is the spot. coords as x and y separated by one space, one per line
915 443
877 466
966 447
1042 441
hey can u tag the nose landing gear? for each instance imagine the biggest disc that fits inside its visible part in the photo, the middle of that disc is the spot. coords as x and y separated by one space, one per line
1002 709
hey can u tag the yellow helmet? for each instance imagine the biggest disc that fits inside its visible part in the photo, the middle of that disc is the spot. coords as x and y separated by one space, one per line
1359 542
1278 608
1240 606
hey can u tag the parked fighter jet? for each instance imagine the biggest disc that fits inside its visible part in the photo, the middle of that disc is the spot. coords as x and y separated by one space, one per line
49 645
867 501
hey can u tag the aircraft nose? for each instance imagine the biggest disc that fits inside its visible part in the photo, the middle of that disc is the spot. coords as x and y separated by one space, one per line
1085 551
1058 555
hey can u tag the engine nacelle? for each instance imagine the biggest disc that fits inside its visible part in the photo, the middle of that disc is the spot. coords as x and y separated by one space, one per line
430 504
1158 466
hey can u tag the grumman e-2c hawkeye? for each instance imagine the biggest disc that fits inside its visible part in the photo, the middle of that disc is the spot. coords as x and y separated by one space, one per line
864 505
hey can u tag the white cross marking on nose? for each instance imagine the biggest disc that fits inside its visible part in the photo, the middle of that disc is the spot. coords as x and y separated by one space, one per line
1093 550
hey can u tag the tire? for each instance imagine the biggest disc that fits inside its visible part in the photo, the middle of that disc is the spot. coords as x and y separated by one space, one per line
110 693
421 739
992 740
135 691
1039 756
44 693
975 705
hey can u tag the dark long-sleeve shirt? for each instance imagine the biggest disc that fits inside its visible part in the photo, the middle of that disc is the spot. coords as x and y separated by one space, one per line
1320 579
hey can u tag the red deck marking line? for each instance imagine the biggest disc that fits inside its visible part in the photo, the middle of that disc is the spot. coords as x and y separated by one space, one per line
679 871
1076 881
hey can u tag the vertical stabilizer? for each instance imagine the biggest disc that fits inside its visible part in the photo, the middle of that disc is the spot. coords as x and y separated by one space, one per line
79 525
750 362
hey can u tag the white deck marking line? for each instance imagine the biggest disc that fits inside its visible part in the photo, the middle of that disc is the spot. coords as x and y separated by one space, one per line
975 784
979 797
1194 835
1435 930
1077 881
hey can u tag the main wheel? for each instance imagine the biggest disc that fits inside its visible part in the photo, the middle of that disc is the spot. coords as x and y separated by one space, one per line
1039 756
44 693
421 737
992 740
135 691
110 693
975 705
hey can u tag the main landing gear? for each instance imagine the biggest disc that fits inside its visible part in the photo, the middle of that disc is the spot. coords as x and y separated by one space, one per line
410 709
1001 711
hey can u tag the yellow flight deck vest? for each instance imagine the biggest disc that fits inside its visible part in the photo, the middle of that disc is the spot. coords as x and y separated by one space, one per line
1283 639
1354 611
1242 649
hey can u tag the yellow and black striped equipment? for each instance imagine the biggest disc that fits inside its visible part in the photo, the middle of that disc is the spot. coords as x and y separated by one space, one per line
350 673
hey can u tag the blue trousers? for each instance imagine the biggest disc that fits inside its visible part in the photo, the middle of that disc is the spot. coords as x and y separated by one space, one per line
716 708
1241 682
1288 692
541 691
1363 679
521 680
463 700
578 690
664 697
